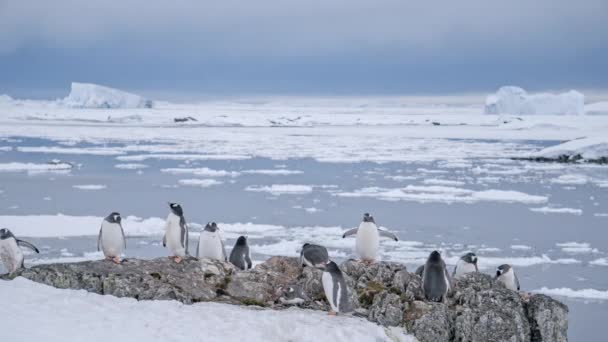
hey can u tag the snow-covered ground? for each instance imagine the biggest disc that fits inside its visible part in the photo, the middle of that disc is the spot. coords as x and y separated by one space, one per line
42 313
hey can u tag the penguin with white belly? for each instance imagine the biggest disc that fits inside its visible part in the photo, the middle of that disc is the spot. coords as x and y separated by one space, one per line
10 251
506 275
336 290
368 236
176 233
111 239
466 264
210 244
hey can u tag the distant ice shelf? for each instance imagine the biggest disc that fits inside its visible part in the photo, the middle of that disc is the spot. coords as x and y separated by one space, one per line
516 101
88 95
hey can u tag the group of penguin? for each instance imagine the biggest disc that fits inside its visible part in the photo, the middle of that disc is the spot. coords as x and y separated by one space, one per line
436 280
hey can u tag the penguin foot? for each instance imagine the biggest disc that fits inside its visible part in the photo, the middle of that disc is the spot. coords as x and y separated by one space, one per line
116 260
177 259
332 313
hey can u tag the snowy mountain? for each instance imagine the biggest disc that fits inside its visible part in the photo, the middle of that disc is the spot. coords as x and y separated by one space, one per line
516 101
88 95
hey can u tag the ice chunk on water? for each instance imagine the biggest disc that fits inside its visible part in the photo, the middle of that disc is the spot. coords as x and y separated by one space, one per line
87 95
516 101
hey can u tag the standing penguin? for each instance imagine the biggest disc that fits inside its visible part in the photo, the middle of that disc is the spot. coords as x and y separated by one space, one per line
314 256
10 253
176 233
335 289
506 275
210 243
239 256
111 237
466 264
368 236
435 278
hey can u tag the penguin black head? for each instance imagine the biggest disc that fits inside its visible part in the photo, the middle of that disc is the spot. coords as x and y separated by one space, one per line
211 227
176 209
5 233
304 245
471 258
332 267
241 241
502 269
114 218
435 256
368 218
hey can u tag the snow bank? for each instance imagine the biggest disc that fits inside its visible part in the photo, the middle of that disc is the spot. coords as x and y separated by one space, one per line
592 148
70 315
516 101
87 95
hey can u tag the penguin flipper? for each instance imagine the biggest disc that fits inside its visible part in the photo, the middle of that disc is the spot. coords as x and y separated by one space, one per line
99 240
223 250
516 281
165 240
350 232
124 239
387 234
28 245
420 270
248 260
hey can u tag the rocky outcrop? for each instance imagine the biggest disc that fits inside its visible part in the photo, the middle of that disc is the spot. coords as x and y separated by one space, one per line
477 309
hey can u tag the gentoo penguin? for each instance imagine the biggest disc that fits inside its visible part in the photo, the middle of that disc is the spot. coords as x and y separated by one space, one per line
176 233
293 295
210 243
466 264
506 275
435 278
111 237
10 253
368 235
335 289
314 256
239 256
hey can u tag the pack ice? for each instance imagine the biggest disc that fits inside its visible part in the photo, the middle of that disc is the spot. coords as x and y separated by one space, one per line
516 101
88 95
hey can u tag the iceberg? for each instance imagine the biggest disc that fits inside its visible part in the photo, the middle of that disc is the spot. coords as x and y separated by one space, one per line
591 149
516 101
88 95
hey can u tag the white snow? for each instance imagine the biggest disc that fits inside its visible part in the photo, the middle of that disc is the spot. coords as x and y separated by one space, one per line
281 189
89 187
71 315
87 95
551 210
33 167
275 172
597 108
516 101
589 148
203 183
443 194
568 292
131 166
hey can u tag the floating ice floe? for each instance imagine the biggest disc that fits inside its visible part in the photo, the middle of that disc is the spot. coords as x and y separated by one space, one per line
590 149
576 247
599 262
131 166
521 247
203 171
443 194
516 101
275 172
442 182
44 307
142 157
89 187
281 189
551 210
99 151
575 179
34 167
568 292
87 95
597 108
203 183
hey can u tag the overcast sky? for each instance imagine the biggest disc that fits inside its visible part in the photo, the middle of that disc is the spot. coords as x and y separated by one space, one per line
302 47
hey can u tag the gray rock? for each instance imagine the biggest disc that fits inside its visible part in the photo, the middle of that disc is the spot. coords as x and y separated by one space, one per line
477 309
548 319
